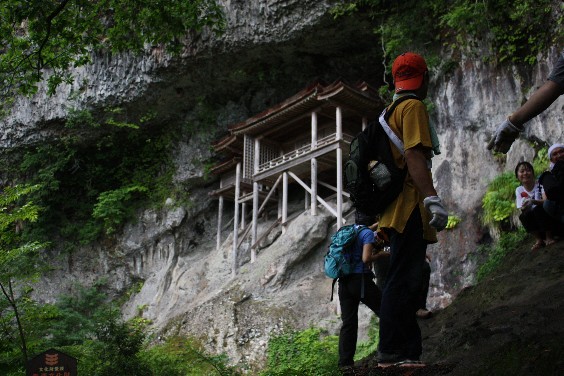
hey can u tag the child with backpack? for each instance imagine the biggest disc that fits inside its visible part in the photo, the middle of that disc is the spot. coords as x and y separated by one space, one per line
358 286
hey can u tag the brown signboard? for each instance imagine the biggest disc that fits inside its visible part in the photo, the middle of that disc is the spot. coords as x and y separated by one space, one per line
51 363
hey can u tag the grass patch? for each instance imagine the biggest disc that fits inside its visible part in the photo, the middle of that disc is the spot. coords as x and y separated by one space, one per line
508 241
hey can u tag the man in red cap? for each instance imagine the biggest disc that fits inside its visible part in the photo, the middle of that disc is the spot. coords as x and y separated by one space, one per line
413 219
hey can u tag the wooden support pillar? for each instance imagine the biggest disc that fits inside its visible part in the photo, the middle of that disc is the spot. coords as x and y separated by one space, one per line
338 123
243 214
313 186
339 132
236 220
284 201
256 159
313 164
219 222
279 207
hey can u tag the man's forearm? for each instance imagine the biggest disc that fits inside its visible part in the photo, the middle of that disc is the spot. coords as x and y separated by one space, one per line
537 103
417 167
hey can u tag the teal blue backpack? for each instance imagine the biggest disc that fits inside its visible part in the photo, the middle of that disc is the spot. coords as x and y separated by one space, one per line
338 260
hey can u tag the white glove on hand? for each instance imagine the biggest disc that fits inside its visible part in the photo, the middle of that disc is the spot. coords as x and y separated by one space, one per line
440 215
504 136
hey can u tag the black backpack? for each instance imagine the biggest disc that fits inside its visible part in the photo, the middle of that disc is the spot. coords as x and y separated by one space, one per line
372 188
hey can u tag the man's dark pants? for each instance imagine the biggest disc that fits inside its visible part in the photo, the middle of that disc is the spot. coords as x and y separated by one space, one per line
349 299
424 290
399 331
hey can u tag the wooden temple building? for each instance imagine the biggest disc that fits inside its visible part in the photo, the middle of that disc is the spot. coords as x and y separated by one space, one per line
303 139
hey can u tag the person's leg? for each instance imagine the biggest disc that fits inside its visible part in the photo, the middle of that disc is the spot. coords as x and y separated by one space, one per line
388 346
530 224
422 311
399 331
546 224
417 248
554 210
349 299
381 267
372 295
424 286
556 213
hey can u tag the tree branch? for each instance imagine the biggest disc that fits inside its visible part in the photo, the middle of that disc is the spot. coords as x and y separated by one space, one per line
49 21
10 296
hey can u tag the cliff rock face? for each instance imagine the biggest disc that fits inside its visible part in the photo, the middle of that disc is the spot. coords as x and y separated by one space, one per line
271 50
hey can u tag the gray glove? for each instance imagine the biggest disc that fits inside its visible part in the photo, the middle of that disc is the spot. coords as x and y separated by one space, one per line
504 136
440 215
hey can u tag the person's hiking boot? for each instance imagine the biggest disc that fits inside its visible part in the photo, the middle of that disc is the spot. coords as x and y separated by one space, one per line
423 314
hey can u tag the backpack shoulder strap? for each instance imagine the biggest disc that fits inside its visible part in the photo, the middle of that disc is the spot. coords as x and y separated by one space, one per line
385 115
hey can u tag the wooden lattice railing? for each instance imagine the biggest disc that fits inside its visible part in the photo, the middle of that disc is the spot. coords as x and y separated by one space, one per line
301 151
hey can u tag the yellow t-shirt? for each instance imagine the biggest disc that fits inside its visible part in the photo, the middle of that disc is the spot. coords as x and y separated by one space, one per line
410 121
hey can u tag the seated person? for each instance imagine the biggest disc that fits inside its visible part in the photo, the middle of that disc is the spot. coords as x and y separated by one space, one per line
529 197
553 183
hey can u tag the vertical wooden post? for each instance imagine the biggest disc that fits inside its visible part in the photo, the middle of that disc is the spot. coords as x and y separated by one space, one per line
219 222
236 220
338 123
284 200
243 214
313 164
279 207
256 160
339 132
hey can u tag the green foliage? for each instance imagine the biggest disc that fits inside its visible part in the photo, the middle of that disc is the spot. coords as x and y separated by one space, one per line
92 187
499 201
10 212
179 356
13 214
80 118
46 38
541 161
23 324
514 30
21 319
364 349
452 222
89 327
114 348
496 253
114 207
118 347
77 314
306 352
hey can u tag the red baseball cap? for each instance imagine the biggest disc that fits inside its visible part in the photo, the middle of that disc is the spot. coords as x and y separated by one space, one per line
408 71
